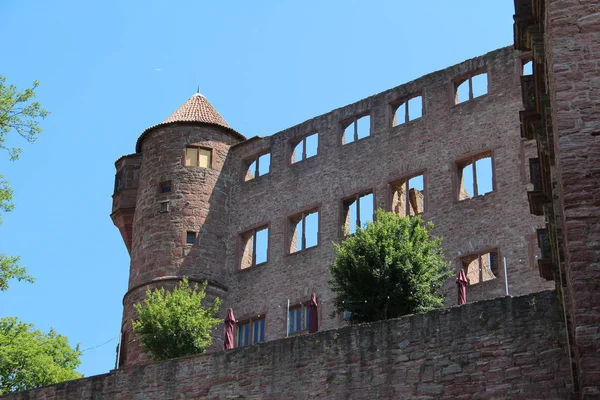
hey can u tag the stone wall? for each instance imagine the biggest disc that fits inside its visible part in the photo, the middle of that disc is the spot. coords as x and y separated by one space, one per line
506 348
446 134
572 45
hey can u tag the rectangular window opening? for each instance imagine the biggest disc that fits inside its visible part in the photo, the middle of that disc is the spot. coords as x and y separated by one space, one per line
481 267
472 86
250 332
164 207
198 157
190 237
164 187
527 67
304 231
306 148
408 110
358 210
408 196
298 318
255 247
358 128
475 176
259 166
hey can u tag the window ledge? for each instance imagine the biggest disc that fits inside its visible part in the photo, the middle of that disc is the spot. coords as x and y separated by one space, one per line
291 164
298 333
308 249
480 284
356 141
258 178
411 122
481 196
252 267
471 101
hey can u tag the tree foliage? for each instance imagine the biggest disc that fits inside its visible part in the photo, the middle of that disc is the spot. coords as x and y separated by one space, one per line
21 114
30 358
174 323
390 268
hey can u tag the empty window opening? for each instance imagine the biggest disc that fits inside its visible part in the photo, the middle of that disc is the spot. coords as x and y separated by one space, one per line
475 176
190 237
164 187
304 230
250 332
298 318
470 87
408 196
255 246
481 267
527 67
306 148
358 210
358 128
198 157
259 166
408 110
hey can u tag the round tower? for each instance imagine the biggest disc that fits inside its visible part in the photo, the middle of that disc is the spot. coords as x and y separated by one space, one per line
180 218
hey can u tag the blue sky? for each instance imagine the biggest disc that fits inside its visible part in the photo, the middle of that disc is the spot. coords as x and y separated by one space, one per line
110 69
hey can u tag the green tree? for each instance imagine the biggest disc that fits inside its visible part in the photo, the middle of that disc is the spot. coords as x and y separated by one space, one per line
19 113
390 268
175 324
30 358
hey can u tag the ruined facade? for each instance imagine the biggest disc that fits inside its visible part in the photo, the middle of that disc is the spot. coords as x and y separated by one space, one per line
540 131
256 218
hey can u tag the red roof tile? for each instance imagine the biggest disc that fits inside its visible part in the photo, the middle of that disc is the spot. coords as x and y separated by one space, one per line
196 110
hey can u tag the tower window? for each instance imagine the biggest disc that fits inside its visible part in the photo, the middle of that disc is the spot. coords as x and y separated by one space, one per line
190 237
198 157
164 187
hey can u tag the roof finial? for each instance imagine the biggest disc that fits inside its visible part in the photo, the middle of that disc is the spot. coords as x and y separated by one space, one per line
198 89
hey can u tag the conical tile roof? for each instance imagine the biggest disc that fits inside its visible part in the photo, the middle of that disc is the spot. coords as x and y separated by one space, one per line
197 110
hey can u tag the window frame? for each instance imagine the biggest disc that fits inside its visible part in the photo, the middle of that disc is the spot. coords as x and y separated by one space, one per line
291 227
460 164
251 333
211 163
163 184
354 121
355 197
456 82
295 142
478 254
186 234
395 105
248 162
241 245
404 179
304 318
